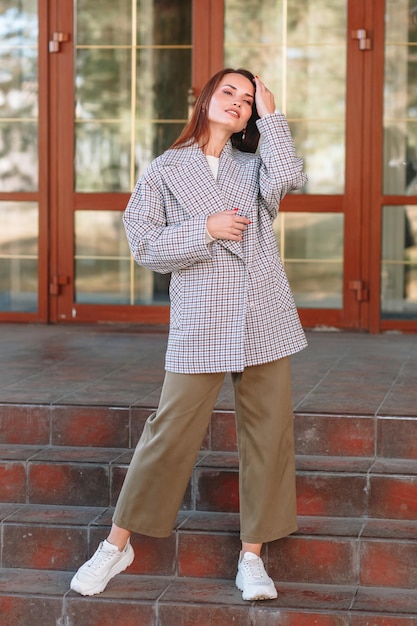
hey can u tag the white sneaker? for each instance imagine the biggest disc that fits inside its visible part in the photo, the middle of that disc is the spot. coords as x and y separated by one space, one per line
253 580
106 562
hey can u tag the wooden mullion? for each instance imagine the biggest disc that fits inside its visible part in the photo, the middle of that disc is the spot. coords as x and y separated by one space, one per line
62 140
305 203
373 160
101 201
149 314
208 34
44 163
354 164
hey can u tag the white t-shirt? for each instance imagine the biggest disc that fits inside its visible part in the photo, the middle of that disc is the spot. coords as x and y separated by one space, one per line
214 166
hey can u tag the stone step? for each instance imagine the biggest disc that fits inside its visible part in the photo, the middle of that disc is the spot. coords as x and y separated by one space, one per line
346 551
352 562
42 597
120 427
329 486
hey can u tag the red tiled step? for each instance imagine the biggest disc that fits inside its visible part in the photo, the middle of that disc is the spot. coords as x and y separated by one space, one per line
329 486
37 597
73 476
120 427
205 545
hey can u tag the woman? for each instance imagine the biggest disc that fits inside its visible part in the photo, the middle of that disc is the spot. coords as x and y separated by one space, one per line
203 211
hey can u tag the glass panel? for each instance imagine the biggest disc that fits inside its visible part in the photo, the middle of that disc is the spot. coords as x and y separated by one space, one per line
311 246
133 73
164 23
18 96
102 258
104 23
19 257
163 88
400 98
153 139
399 262
110 23
141 71
318 141
102 156
105 272
298 48
103 83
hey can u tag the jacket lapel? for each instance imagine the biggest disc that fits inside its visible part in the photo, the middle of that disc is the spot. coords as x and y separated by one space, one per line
189 178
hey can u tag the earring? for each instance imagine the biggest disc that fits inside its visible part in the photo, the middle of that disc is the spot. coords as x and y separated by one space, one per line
243 134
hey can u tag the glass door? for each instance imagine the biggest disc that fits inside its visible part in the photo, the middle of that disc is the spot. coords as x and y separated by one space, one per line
131 61
398 182
23 161
130 95
302 50
91 92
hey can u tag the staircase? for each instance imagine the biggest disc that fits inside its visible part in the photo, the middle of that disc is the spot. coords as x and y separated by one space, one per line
353 561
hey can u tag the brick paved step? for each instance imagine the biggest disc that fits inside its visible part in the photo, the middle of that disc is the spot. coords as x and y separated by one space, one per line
329 486
346 551
120 427
42 597
352 562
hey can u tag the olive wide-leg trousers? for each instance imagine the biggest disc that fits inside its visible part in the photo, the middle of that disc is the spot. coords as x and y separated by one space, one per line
167 450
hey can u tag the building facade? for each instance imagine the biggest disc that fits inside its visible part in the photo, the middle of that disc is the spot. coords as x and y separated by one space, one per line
91 91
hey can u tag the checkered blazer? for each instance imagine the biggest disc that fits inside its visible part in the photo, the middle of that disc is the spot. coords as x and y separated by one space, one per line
231 304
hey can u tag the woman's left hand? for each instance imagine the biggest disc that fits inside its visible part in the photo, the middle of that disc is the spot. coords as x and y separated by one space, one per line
264 99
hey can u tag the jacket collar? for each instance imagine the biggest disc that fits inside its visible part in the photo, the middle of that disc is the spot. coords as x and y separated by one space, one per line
188 176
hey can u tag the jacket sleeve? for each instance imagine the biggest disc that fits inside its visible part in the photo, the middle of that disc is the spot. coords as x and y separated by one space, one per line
281 170
156 245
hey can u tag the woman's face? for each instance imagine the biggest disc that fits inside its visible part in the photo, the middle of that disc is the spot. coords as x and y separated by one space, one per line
230 106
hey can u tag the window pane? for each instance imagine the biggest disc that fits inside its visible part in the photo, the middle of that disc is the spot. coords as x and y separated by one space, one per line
311 246
399 262
110 22
141 73
102 156
19 256
153 139
322 147
18 96
164 23
298 48
132 83
105 23
165 78
102 258
400 98
103 83
105 272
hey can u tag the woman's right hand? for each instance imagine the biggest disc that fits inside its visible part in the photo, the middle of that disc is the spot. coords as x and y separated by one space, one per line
227 225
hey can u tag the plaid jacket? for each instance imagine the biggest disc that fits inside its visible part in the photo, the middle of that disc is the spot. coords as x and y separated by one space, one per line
231 304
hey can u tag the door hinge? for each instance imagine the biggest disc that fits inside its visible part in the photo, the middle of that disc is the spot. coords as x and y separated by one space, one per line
362 291
56 40
55 286
362 35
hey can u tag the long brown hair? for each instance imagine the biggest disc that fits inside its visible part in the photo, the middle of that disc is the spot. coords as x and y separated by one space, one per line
197 127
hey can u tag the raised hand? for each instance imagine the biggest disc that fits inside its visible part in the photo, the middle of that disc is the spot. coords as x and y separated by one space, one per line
264 98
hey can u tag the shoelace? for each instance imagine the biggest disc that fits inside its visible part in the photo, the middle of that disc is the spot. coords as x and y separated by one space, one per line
100 558
254 568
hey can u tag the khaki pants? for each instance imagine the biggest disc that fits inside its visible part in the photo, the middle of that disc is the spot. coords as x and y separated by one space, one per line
165 455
